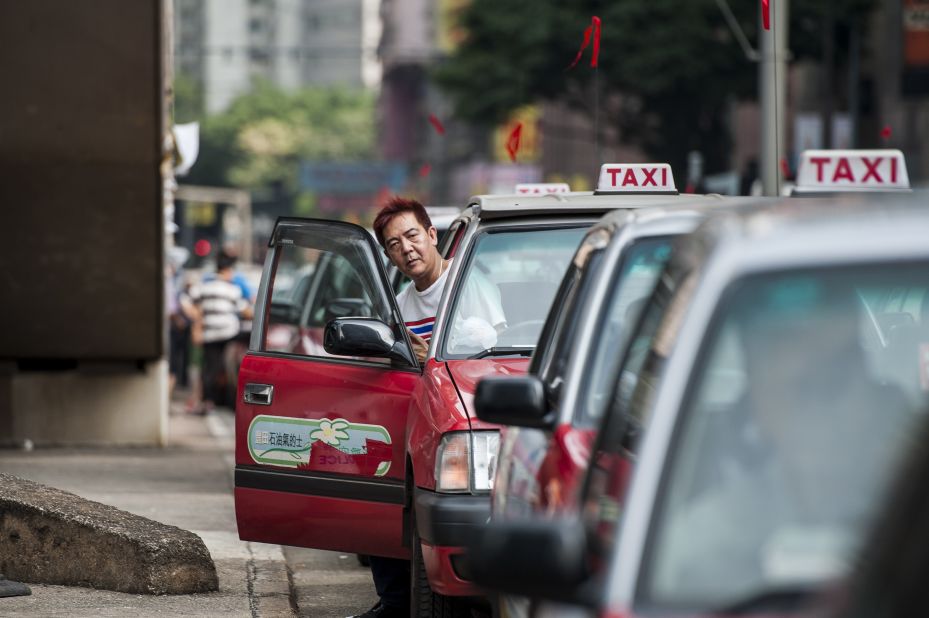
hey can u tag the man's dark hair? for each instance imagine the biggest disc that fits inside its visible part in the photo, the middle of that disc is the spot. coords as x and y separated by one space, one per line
224 260
395 206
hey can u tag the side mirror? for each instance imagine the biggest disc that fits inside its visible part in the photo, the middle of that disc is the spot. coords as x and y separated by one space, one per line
513 400
541 559
364 337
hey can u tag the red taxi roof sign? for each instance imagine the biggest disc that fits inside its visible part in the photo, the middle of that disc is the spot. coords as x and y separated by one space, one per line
636 178
542 188
826 171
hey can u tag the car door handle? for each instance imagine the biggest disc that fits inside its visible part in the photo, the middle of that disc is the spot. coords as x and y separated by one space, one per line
259 394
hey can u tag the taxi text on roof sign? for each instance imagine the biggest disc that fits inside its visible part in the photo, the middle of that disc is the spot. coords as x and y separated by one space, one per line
636 178
542 188
852 170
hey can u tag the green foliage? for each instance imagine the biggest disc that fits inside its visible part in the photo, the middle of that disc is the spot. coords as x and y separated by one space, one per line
260 140
668 68
188 99
305 204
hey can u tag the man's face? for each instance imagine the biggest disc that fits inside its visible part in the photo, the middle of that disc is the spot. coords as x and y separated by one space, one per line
410 247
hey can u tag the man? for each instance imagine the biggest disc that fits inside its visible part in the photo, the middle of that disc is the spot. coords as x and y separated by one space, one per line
221 304
410 241
405 231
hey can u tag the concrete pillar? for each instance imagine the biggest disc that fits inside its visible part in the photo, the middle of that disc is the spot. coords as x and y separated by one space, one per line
112 405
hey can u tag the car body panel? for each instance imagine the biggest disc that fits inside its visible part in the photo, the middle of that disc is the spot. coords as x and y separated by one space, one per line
435 410
443 575
467 373
285 516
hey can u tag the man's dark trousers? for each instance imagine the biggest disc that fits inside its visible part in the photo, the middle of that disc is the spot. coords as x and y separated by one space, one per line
392 581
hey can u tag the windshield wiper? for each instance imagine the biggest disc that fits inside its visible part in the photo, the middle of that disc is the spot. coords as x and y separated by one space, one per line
768 599
504 351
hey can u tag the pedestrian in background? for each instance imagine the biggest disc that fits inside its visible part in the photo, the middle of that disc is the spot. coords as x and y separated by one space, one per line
221 305
236 349
181 315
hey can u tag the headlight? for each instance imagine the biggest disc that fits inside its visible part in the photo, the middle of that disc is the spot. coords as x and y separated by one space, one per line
467 461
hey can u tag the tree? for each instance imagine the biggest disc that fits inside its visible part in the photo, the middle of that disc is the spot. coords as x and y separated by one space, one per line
668 69
260 140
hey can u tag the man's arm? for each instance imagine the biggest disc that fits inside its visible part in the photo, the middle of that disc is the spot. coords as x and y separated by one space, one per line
420 346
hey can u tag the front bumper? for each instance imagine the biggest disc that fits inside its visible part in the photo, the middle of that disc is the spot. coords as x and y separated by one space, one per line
446 524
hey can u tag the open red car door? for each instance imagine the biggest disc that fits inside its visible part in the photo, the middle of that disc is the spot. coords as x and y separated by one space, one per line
320 438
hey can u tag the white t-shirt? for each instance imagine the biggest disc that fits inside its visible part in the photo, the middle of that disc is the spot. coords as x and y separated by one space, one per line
221 303
418 309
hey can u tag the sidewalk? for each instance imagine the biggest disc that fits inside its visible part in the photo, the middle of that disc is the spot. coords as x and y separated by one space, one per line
189 485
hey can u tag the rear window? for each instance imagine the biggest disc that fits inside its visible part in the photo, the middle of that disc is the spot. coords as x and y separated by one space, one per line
635 280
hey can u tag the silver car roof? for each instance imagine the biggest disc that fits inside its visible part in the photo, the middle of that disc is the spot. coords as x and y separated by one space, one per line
495 206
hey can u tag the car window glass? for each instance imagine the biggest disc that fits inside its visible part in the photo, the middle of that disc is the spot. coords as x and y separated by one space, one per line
323 280
557 339
561 342
506 288
639 371
634 282
792 423
637 378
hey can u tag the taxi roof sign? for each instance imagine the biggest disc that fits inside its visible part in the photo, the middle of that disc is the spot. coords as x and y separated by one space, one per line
542 188
636 178
827 171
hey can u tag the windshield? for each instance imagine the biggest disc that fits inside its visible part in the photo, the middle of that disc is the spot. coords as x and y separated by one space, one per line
642 262
795 415
508 285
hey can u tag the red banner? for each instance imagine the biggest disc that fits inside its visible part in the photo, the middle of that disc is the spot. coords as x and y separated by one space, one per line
591 32
512 143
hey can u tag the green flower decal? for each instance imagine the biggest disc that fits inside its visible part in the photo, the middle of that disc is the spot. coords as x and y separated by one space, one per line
331 432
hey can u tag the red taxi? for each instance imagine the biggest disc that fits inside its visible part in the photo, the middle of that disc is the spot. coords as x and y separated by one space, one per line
343 441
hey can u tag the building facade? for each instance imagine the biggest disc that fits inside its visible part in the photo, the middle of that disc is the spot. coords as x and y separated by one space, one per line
225 46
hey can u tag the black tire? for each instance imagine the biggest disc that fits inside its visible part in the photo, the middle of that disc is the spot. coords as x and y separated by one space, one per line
363 560
424 603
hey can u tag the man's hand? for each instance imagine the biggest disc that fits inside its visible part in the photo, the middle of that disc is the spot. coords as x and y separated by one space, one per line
420 347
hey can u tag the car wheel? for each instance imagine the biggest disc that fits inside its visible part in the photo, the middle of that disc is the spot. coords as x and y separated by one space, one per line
424 603
363 560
